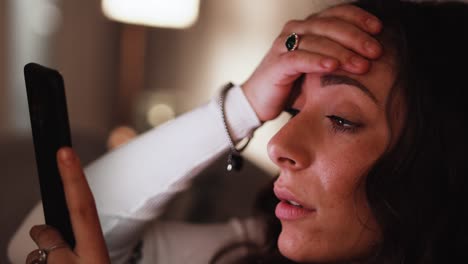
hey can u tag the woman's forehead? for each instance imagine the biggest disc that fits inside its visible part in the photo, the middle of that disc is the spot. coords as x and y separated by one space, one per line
379 80
376 84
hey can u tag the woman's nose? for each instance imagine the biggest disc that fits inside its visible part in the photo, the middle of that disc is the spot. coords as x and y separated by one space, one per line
290 149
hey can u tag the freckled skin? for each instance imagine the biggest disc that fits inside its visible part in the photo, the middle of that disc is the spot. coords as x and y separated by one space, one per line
325 168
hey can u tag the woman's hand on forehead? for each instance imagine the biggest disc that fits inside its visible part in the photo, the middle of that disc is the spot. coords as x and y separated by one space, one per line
340 37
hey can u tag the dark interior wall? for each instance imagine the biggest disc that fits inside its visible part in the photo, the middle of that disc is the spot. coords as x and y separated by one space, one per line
3 27
86 51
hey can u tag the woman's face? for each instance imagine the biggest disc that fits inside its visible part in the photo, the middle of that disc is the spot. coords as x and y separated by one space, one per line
339 131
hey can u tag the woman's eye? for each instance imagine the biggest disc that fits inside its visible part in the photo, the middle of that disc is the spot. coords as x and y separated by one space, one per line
292 111
342 125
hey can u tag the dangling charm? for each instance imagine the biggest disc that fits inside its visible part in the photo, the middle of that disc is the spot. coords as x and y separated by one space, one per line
235 161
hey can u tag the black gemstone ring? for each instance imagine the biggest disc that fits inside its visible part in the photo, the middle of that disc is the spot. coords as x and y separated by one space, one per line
292 41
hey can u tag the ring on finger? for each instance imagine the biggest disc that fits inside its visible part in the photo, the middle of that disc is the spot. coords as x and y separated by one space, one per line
292 42
39 256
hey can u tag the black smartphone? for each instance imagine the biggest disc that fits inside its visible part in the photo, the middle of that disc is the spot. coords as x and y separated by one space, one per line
50 131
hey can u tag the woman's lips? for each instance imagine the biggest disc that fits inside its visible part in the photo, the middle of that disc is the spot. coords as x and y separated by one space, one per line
289 207
286 211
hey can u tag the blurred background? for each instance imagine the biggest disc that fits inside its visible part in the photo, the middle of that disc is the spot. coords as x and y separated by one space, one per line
137 63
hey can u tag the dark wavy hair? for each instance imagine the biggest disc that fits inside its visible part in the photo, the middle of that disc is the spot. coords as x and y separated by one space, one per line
417 189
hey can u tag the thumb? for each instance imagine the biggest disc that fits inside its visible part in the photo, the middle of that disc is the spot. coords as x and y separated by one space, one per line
90 244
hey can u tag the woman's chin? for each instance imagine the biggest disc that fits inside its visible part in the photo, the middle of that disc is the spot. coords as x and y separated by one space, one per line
297 247
294 250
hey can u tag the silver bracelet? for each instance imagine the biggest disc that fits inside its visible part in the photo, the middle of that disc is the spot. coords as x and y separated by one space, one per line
235 159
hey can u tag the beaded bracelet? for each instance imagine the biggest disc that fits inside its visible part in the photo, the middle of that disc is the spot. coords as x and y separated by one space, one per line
235 159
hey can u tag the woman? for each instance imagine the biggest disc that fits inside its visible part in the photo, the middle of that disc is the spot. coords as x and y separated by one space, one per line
378 174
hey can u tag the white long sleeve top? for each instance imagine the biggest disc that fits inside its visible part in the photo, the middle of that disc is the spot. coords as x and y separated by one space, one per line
132 183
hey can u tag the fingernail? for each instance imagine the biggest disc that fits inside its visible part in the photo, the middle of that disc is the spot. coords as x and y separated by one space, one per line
371 47
372 24
327 63
66 156
357 61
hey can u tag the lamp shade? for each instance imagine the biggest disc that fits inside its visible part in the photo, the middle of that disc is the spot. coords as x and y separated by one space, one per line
156 13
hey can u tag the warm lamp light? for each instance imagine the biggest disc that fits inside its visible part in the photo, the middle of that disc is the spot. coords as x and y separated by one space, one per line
157 13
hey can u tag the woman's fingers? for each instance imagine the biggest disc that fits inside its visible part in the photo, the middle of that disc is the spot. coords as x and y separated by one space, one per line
268 88
348 59
299 62
90 247
344 32
354 15
47 237
341 32
90 243
347 34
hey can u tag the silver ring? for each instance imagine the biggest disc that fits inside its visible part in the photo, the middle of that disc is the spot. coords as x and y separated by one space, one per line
39 256
292 42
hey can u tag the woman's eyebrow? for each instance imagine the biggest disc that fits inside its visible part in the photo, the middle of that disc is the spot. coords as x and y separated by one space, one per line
332 79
